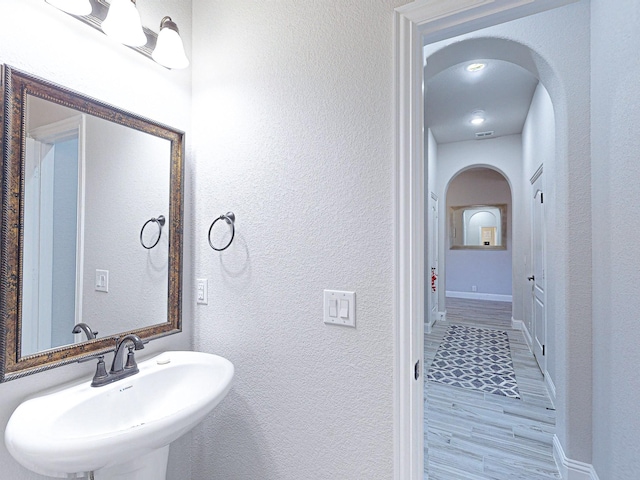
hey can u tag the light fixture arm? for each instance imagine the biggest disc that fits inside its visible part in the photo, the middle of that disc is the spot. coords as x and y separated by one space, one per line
169 50
166 22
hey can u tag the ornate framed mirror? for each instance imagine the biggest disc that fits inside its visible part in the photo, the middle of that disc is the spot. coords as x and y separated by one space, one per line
478 227
80 178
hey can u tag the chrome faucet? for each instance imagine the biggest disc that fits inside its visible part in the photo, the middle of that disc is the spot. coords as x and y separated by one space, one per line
130 368
88 331
118 370
101 371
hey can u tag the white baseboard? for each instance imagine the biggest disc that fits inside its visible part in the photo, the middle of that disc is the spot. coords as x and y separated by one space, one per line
572 469
551 388
429 324
480 296
520 325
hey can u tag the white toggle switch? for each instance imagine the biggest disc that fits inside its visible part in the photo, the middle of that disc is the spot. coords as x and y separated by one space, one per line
102 280
202 292
344 308
333 308
340 308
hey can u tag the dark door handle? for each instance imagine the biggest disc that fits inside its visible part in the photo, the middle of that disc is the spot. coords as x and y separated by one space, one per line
531 278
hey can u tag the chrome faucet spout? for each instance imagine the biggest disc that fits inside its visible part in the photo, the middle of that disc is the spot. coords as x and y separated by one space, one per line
118 358
88 331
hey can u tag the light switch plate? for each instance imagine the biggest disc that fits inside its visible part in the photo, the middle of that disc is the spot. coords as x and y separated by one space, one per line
102 280
202 291
340 308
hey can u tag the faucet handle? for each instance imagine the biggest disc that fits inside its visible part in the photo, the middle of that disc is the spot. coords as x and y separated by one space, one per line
131 361
100 378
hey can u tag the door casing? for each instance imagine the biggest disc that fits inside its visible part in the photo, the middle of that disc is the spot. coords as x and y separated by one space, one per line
538 283
416 24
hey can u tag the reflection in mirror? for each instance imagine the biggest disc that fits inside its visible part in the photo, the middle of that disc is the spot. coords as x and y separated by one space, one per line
51 244
82 178
60 239
482 227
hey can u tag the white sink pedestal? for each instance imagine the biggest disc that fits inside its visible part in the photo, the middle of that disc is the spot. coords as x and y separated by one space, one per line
152 466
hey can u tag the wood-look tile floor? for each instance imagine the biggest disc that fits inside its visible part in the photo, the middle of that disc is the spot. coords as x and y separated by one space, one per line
470 435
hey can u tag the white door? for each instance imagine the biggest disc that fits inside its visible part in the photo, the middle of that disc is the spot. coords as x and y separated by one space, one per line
433 283
537 278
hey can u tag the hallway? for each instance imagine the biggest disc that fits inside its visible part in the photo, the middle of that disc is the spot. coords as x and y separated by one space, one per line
471 435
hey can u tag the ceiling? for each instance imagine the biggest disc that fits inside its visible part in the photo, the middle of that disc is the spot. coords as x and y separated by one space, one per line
502 90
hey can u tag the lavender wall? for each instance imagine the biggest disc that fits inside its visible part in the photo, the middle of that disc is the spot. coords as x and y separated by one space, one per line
490 270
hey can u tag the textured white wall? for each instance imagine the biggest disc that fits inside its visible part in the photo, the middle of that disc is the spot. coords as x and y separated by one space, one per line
294 126
41 40
538 147
616 260
554 46
489 271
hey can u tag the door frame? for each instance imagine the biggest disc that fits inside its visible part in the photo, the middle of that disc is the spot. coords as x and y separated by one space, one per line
72 127
416 24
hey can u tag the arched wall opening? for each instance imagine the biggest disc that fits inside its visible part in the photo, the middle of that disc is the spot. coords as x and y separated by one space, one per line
561 151
478 273
516 156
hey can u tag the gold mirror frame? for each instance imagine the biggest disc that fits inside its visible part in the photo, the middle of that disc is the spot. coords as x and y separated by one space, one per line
16 86
503 226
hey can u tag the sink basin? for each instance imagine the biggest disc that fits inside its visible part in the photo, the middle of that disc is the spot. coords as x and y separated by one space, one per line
79 428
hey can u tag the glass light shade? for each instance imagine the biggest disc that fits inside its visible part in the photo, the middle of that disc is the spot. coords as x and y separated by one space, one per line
123 23
169 51
74 7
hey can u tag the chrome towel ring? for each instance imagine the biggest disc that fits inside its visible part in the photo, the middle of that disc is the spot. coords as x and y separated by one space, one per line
230 218
160 222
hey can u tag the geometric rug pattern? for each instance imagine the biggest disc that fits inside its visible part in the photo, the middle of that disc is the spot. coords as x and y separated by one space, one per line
477 359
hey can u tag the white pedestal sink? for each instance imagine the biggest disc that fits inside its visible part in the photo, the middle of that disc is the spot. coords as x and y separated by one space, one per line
122 430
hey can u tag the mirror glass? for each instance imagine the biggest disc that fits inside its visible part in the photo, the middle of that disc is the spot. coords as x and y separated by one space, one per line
482 227
90 185
86 188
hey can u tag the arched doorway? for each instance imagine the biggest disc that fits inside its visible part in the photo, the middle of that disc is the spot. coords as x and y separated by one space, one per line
558 50
518 137
479 239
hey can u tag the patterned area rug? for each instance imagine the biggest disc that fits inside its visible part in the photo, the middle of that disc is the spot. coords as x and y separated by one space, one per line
475 358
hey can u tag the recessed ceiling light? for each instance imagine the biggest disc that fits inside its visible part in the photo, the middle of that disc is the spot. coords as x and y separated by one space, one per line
477 117
475 67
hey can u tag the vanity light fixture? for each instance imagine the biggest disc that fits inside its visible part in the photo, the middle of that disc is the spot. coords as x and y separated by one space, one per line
74 7
123 23
476 67
120 20
169 51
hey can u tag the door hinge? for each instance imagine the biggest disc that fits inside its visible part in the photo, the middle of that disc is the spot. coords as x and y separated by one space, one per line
543 350
416 370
